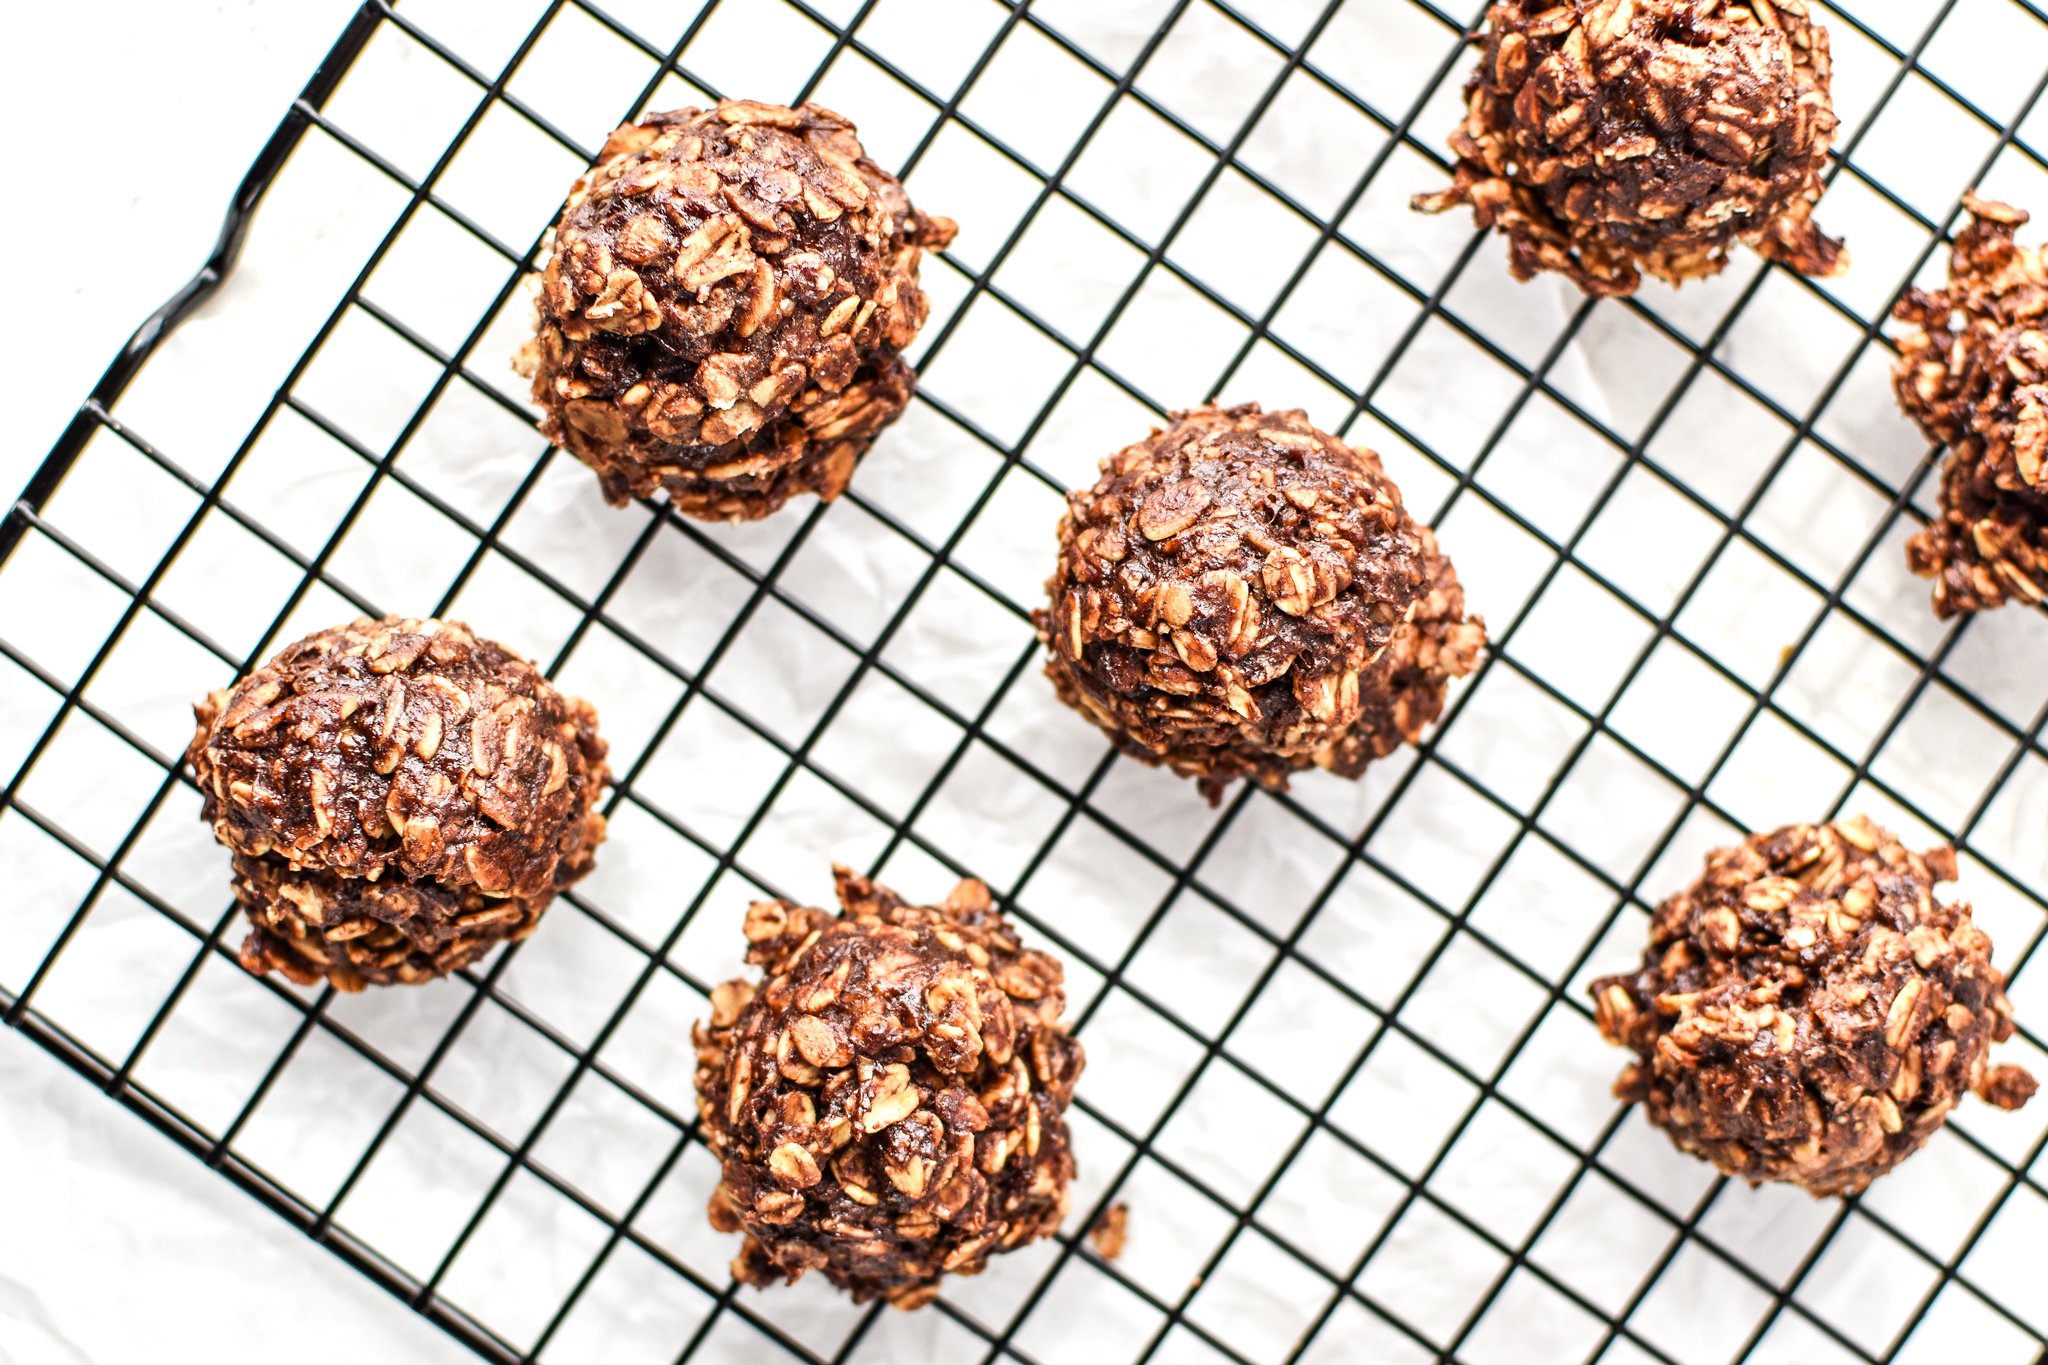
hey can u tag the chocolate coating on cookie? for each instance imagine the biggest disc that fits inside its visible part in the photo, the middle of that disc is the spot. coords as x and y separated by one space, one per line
725 305
1609 138
1243 595
888 1103
399 795
1974 375
1808 1011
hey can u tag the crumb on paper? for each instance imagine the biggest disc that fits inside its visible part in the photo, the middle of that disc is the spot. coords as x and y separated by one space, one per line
1109 1230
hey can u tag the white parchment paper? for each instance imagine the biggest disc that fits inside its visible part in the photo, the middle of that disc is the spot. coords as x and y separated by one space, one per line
1256 981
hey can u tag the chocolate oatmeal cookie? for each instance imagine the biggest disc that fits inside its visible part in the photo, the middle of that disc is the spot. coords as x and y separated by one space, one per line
889 1101
399 796
1808 1011
1243 595
1973 373
725 306
1607 138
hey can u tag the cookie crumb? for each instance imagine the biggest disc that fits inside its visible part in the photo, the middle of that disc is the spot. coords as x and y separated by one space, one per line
1108 1232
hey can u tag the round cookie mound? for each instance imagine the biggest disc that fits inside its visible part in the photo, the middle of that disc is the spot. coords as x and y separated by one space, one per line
889 1103
1607 138
1974 375
1808 1011
399 795
1243 595
724 308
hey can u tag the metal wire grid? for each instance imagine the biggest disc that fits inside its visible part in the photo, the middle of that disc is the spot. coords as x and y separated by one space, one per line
1180 1329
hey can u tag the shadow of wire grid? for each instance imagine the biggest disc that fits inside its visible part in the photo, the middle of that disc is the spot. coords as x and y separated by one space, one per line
1341 1065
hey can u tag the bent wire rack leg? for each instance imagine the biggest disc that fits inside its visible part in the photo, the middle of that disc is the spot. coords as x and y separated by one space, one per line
93 413
227 248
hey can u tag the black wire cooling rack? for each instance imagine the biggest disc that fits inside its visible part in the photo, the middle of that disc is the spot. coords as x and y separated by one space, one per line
1341 1067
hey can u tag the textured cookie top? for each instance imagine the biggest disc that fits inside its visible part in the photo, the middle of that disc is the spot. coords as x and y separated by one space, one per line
1973 373
402 746
1808 1011
1236 580
888 1101
1611 137
713 266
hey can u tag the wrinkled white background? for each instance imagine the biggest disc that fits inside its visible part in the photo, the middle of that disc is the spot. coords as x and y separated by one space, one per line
198 399
115 1246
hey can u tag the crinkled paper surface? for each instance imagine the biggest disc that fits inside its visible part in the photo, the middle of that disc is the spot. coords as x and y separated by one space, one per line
1494 877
